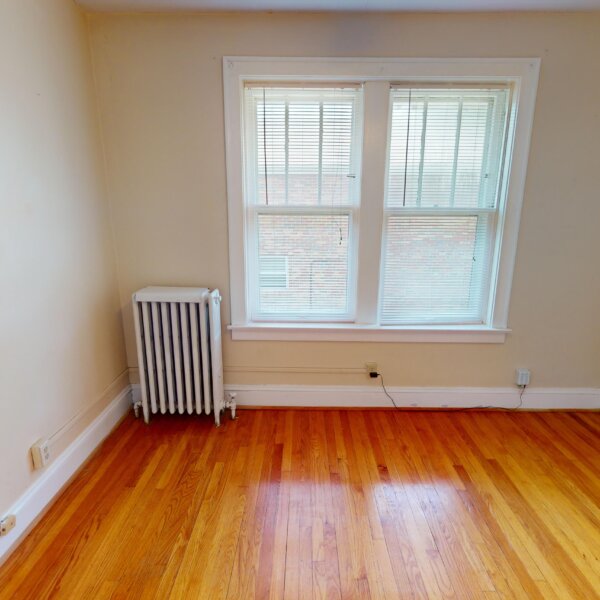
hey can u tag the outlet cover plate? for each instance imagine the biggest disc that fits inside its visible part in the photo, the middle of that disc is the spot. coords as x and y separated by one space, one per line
7 524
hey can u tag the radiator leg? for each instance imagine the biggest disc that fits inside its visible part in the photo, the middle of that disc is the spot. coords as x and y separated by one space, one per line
137 406
136 409
230 403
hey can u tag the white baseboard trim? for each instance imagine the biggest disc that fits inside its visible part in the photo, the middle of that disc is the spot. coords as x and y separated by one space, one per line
33 503
424 397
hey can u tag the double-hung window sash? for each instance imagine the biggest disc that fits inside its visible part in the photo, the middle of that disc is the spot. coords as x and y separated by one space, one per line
445 153
302 165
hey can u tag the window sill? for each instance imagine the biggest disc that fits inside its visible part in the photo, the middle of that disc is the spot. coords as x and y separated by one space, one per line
344 332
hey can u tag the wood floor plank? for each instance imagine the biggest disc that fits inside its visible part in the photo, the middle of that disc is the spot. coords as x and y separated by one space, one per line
311 504
521 541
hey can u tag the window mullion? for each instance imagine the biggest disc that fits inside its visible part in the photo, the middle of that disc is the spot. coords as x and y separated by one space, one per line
372 190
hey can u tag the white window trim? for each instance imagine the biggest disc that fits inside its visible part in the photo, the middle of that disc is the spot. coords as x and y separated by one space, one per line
523 73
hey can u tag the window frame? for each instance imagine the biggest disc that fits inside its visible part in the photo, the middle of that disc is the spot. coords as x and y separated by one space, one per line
376 75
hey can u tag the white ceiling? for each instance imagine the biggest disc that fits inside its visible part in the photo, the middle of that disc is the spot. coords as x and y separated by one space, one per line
340 5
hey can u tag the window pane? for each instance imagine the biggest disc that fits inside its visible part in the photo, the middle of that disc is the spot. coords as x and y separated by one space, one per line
271 151
273 271
336 185
471 177
445 148
300 147
303 133
316 250
405 156
438 153
436 269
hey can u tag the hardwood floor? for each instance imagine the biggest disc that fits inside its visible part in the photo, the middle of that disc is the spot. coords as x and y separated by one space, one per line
327 504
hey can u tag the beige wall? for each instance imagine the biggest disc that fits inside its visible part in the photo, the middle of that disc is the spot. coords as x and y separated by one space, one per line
160 92
61 340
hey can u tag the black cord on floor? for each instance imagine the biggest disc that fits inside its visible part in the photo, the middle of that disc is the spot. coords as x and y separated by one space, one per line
501 407
481 407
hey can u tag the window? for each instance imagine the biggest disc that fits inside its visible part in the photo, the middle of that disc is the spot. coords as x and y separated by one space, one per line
443 174
301 156
375 200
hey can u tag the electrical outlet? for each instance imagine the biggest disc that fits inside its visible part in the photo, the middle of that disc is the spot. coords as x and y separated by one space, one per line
7 524
522 377
371 367
40 453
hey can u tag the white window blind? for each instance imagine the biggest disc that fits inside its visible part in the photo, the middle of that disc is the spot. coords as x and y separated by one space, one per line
302 165
443 178
273 271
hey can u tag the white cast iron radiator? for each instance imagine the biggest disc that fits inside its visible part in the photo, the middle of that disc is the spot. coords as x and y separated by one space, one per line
178 335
